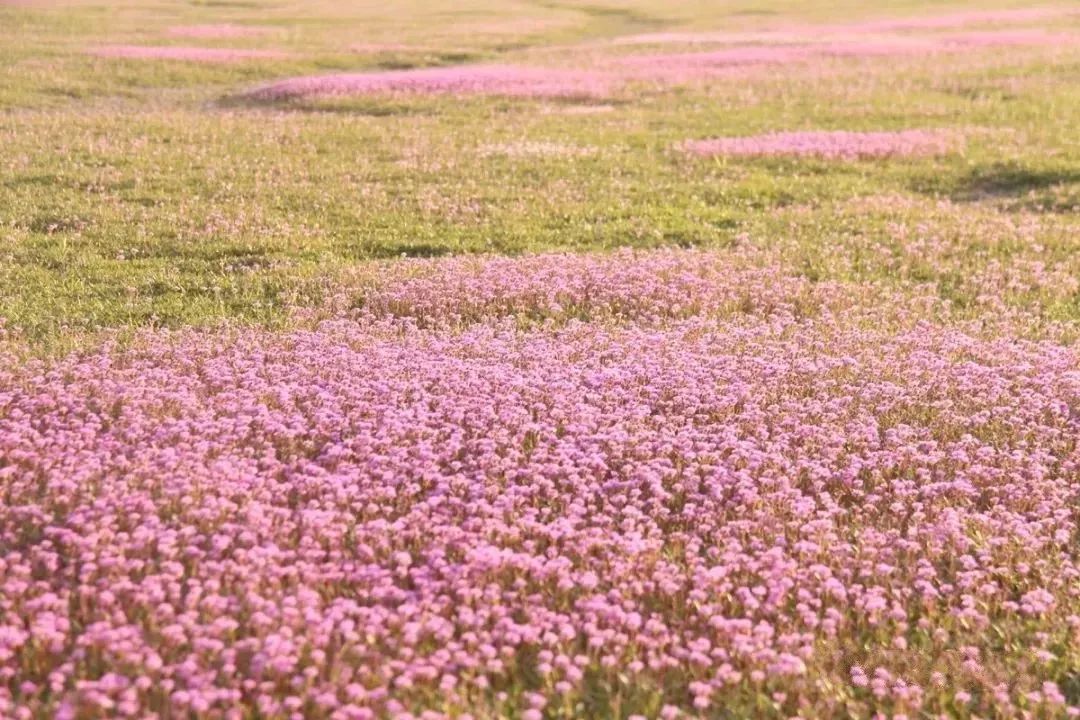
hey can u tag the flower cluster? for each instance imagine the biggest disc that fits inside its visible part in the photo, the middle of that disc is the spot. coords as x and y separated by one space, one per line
810 33
669 512
641 286
797 46
829 144
778 51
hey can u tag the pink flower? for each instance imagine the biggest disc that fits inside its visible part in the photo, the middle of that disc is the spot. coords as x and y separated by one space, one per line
832 145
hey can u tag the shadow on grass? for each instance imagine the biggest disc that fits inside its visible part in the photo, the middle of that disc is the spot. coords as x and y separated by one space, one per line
1016 187
400 61
51 224
373 107
387 105
380 251
621 20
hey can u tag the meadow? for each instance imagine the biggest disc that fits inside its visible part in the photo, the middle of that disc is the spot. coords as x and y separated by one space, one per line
539 359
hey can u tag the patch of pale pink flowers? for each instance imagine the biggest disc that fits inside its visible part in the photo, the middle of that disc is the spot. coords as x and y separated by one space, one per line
812 33
602 479
836 144
792 51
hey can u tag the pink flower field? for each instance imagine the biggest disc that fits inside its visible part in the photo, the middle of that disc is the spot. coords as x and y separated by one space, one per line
653 493
804 33
806 49
832 145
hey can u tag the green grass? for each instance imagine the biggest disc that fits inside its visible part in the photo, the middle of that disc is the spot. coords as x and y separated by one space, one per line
140 192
